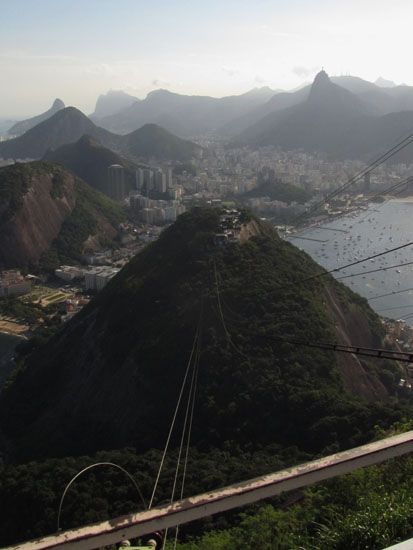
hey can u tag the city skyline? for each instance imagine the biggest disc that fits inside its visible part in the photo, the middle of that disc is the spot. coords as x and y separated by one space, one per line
77 51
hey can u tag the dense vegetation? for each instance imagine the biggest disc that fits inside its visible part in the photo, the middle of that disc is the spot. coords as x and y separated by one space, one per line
279 191
57 195
13 185
91 206
34 489
14 307
90 161
110 379
142 325
370 508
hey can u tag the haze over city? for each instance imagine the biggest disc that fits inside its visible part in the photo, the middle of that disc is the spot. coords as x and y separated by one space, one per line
77 50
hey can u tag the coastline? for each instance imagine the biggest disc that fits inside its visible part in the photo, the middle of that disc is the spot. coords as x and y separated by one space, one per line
403 199
11 328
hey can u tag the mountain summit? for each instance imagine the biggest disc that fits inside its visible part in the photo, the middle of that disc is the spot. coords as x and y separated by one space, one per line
24 125
70 124
65 126
319 123
111 376
113 102
90 160
321 79
331 98
322 88
384 83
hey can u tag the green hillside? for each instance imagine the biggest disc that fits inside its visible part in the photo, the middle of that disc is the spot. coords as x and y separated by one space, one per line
47 214
279 191
135 340
65 126
92 208
90 161
111 377
153 141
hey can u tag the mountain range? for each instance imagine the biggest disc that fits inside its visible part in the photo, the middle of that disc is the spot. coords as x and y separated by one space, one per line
331 119
112 102
377 99
229 116
185 116
70 124
111 376
345 117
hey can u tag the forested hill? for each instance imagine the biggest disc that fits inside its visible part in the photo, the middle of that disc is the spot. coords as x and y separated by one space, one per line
90 161
69 125
279 191
112 376
47 215
24 125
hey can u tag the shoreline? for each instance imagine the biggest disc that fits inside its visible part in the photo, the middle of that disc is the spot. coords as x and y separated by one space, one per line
403 199
13 334
11 328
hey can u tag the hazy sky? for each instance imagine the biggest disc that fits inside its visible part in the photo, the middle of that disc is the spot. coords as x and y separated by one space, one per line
77 49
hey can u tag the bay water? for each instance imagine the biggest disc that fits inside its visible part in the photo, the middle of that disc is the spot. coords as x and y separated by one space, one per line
359 235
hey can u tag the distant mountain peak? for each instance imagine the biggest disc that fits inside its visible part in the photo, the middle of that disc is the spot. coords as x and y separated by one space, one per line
58 104
159 93
24 125
321 86
322 76
112 102
384 83
71 112
321 80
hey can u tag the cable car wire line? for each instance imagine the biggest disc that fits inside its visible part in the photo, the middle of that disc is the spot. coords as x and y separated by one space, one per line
168 439
95 465
362 173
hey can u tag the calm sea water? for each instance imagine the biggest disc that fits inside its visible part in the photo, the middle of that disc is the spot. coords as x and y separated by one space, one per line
380 228
7 346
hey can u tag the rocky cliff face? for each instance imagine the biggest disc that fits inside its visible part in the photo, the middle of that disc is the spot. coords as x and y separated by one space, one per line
36 199
29 231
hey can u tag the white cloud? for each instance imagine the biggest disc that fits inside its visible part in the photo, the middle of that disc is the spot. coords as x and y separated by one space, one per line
305 72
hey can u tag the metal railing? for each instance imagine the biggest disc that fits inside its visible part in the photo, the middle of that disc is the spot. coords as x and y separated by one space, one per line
134 525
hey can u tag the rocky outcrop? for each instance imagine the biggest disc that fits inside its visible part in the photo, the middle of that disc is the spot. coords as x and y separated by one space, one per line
29 232
43 205
352 328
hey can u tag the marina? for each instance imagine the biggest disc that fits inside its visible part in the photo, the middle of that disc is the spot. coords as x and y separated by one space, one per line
384 280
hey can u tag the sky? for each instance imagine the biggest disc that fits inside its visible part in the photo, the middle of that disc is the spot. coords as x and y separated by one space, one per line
78 49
